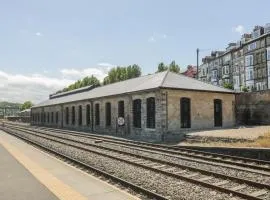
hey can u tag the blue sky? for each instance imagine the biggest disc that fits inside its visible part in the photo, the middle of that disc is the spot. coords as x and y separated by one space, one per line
65 40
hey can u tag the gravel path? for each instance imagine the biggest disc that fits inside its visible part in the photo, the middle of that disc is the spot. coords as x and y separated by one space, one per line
246 132
167 186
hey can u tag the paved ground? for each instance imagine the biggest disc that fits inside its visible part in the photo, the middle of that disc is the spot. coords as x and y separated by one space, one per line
18 183
33 174
240 132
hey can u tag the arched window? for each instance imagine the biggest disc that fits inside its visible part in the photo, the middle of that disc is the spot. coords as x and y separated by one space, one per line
48 117
67 115
121 109
151 112
56 117
80 115
185 113
88 115
52 117
73 115
218 112
108 114
97 118
137 103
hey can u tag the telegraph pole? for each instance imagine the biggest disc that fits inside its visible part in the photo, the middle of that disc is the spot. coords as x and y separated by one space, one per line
197 50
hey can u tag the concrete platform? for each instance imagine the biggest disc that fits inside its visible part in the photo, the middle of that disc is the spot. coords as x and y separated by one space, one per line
28 173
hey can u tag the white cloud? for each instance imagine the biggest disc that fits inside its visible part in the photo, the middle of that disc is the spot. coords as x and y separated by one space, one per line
35 87
38 34
239 29
76 74
157 36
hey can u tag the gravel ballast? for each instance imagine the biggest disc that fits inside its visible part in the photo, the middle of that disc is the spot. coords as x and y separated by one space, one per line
161 184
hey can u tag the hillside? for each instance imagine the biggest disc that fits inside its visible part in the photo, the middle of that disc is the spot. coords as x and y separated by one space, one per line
9 104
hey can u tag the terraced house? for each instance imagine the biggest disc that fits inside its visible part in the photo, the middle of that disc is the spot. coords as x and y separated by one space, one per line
245 64
155 107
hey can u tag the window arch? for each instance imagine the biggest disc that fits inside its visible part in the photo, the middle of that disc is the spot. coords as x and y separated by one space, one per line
56 117
80 115
108 113
97 117
52 117
67 115
151 112
48 117
137 104
73 115
88 115
218 112
185 112
121 109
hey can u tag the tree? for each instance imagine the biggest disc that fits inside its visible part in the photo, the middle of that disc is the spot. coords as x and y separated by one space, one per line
122 73
228 86
174 67
162 67
27 105
245 89
86 81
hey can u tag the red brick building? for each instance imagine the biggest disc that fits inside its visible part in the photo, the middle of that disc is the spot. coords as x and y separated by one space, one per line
191 71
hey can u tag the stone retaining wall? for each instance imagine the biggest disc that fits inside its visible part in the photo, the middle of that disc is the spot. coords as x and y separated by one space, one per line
253 108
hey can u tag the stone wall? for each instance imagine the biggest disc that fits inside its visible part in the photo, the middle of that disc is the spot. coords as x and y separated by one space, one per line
253 108
127 130
167 114
202 110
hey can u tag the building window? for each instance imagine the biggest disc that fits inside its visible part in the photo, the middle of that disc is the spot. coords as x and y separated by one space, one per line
252 46
52 117
249 74
88 115
56 117
137 103
67 115
97 117
73 115
185 113
268 54
151 112
249 60
48 117
80 115
44 117
225 70
108 114
121 109
217 112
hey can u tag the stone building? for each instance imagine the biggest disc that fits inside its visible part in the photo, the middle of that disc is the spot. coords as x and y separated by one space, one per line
244 65
155 107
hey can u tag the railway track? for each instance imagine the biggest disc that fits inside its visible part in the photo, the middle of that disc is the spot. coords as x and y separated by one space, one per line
189 154
228 184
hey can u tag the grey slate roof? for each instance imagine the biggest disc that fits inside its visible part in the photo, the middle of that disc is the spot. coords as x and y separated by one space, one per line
153 81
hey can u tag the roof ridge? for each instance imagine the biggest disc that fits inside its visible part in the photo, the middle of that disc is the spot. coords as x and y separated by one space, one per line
164 78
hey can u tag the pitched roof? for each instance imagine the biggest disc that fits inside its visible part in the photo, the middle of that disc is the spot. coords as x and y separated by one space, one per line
159 80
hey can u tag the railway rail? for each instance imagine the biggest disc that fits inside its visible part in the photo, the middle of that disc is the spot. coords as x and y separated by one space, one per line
223 183
189 154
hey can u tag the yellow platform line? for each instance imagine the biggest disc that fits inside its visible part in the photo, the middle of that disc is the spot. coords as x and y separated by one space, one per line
57 187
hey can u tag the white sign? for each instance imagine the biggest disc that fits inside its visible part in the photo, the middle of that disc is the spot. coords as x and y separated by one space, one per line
121 121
